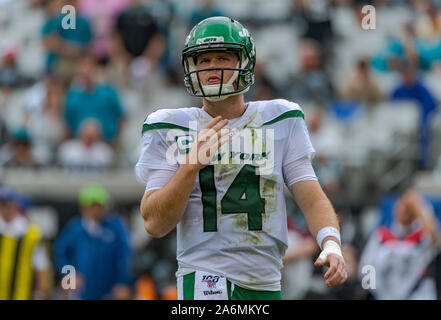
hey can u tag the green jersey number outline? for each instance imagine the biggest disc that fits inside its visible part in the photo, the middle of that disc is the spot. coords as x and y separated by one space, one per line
243 196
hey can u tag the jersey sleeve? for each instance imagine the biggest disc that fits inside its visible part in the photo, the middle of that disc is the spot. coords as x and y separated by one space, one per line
299 144
298 155
158 178
153 156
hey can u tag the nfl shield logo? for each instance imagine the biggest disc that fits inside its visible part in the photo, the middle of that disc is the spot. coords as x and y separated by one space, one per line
210 280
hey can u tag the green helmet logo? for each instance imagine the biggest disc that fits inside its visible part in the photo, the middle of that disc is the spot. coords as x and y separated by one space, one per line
219 34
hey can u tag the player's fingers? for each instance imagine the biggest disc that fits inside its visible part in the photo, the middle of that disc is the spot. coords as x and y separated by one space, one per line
207 149
202 139
223 140
332 282
344 272
318 262
332 269
335 280
219 144
214 139
332 264
214 144
345 277
203 135
206 135
340 276
218 136
213 122
219 125
223 132
339 273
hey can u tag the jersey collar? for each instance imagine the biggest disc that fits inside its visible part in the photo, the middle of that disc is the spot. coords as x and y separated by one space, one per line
236 122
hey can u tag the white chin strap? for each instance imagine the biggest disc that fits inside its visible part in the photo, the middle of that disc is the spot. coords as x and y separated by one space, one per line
212 89
224 90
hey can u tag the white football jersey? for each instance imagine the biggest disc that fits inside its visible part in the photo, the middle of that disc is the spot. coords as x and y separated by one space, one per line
235 222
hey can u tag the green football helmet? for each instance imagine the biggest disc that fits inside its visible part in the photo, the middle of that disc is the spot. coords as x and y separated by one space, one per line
219 34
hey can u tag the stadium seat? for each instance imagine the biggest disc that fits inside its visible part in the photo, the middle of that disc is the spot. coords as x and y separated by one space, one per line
282 62
433 81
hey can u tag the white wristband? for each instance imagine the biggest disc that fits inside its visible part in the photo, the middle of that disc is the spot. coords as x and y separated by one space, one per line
329 247
327 232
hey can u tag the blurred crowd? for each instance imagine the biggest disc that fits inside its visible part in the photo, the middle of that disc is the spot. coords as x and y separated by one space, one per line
76 99
122 61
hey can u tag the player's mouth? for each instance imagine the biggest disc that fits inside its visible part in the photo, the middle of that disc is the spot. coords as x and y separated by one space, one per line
213 80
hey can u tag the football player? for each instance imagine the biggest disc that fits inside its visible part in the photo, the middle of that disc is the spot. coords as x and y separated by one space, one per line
217 173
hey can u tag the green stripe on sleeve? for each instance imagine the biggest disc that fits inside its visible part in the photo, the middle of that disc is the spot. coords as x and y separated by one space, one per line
288 114
165 125
161 125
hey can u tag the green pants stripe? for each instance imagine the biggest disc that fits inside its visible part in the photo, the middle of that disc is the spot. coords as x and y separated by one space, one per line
189 286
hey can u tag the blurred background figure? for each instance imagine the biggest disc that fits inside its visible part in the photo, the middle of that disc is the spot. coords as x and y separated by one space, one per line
297 271
312 83
24 267
10 74
263 87
361 86
399 48
413 89
88 152
138 41
206 9
96 245
64 46
402 250
90 96
326 167
429 25
19 154
314 19
102 14
43 118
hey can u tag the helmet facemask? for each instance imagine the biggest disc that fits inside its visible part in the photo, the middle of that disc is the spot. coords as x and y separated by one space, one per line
240 81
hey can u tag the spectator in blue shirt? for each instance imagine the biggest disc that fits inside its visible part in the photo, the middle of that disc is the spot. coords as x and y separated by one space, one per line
412 88
96 245
64 46
90 97
206 10
409 46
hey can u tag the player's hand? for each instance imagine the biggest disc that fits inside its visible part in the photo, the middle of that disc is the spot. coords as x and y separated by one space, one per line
336 273
208 142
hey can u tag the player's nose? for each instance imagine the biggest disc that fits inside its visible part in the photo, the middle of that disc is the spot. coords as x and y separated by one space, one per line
213 63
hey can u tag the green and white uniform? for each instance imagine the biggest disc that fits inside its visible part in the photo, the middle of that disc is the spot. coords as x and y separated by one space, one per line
235 222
